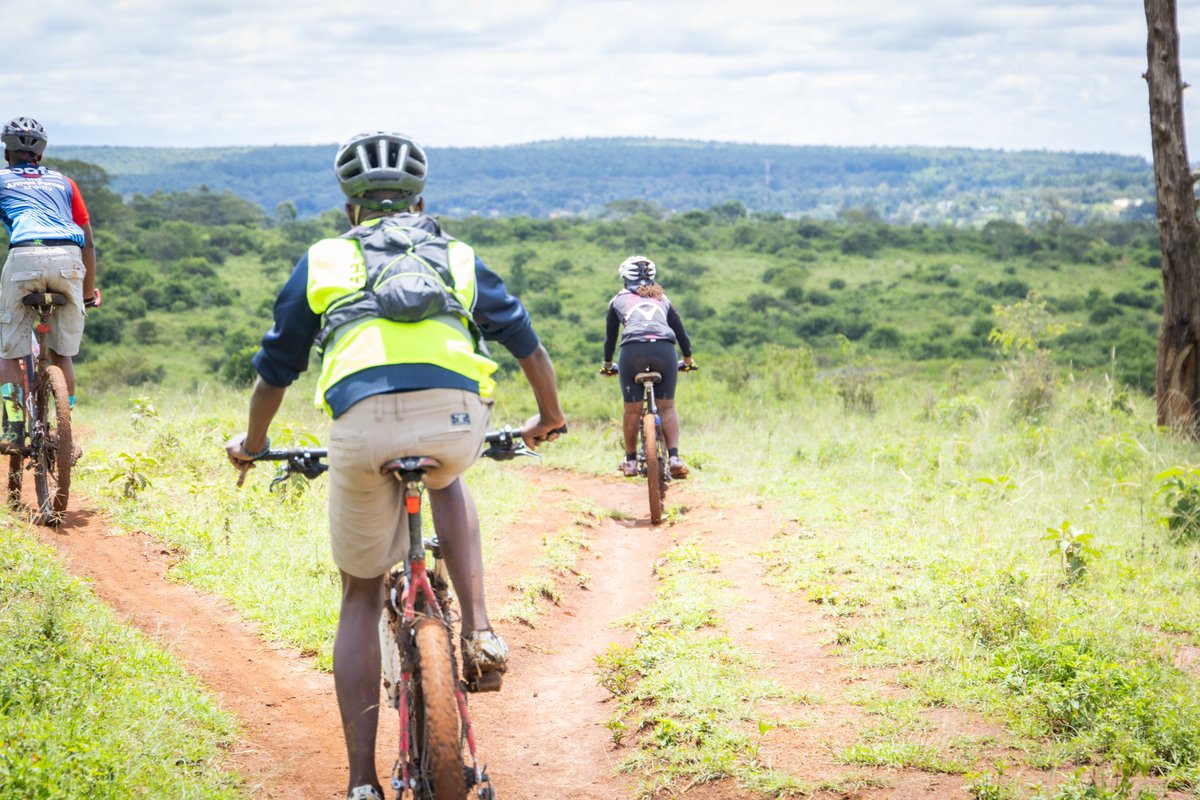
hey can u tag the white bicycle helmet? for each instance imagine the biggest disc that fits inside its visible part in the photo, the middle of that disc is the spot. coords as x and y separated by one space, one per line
24 133
637 271
381 160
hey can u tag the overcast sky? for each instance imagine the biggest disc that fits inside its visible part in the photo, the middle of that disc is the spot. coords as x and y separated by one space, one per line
1012 74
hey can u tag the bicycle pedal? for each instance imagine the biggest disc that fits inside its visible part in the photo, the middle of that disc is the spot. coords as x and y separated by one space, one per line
487 682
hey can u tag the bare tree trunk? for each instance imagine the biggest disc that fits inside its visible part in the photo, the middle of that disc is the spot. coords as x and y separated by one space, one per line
1177 378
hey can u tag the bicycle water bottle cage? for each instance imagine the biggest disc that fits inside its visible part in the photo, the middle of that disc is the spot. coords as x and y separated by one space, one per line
410 464
648 377
44 299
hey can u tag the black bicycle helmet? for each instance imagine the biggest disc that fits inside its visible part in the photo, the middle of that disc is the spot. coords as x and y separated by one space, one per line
381 160
24 133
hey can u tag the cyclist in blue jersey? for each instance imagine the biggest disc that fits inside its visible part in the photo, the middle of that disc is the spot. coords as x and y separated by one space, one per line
50 247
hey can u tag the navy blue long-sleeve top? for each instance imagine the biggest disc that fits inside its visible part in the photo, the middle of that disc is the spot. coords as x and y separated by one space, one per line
285 348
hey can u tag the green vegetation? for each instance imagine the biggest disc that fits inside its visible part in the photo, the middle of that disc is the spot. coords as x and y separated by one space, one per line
685 690
87 707
196 273
598 177
950 423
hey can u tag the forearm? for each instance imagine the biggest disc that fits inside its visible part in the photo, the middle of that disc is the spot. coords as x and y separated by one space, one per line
612 326
89 263
264 403
539 371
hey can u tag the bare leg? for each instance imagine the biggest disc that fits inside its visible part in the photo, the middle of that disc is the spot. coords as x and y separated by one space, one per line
631 422
356 673
67 365
10 370
457 524
670 421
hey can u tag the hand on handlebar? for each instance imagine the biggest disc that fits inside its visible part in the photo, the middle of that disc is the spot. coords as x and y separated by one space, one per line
536 430
688 365
239 456
94 300
608 369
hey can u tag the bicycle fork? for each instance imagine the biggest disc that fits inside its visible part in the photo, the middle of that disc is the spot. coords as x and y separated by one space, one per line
404 620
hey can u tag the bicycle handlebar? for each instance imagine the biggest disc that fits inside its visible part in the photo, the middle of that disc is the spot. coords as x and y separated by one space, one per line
503 445
682 365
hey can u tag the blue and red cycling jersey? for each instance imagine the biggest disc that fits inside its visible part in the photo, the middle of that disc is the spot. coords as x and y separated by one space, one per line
40 203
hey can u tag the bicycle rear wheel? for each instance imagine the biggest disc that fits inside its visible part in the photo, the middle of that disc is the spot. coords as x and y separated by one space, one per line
52 447
655 464
436 721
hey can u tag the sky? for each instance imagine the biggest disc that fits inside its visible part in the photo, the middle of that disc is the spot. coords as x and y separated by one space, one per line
1007 74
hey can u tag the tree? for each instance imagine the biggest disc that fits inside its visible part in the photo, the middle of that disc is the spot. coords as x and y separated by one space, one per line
1177 376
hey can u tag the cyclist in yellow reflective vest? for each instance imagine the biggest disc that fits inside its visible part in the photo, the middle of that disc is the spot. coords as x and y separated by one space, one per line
399 311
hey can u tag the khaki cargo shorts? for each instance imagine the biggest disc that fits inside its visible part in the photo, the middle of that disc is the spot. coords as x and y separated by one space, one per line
35 269
368 528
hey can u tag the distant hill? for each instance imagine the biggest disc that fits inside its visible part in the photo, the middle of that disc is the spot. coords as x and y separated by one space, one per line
582 176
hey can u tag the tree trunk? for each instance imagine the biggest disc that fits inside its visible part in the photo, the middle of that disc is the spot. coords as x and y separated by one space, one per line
1177 378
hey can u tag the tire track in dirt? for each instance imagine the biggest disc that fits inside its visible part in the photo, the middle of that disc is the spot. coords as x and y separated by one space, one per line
545 732
291 734
792 637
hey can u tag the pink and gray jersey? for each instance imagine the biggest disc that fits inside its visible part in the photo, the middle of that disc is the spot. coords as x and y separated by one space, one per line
644 319
40 203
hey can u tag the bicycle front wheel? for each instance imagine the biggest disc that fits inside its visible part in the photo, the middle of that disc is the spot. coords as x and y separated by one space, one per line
52 447
655 465
437 727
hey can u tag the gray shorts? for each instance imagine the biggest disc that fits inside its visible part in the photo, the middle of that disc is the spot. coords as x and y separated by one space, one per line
368 528
35 269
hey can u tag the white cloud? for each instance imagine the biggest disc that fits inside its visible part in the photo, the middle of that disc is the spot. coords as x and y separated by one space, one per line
993 73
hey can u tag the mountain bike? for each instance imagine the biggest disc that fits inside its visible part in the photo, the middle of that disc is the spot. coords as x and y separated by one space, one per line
48 449
420 672
652 459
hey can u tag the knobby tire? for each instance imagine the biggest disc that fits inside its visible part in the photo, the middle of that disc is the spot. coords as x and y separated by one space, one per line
437 718
654 465
53 449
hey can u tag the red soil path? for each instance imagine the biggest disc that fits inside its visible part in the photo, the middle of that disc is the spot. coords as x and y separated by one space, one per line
543 736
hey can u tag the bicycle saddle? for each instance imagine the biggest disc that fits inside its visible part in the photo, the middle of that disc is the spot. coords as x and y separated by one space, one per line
652 377
410 464
44 299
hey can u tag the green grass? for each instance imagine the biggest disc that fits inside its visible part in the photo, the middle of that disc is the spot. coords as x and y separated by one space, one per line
88 707
686 692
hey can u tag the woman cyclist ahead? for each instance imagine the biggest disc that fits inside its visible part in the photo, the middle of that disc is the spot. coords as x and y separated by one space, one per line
652 328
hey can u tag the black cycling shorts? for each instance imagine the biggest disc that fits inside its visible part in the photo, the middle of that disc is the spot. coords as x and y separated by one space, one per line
638 357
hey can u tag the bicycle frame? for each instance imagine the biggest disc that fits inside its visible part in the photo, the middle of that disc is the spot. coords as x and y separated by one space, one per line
649 406
417 595
48 447
417 586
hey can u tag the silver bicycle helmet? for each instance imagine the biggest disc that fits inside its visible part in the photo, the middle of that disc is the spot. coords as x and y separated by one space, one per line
24 133
381 160
637 271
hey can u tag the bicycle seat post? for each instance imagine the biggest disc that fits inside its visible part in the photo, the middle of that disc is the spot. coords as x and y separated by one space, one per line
410 471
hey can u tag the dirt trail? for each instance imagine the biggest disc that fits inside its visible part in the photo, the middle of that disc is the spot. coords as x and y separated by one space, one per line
544 735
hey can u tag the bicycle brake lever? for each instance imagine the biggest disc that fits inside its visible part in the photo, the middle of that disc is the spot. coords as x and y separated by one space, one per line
282 475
